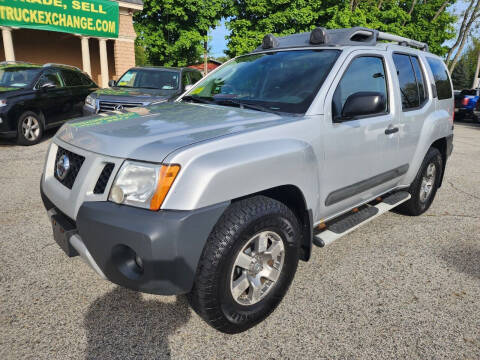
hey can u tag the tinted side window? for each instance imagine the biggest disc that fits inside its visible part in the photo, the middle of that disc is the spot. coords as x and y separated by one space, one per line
85 79
185 79
365 73
442 80
195 76
49 77
407 81
420 79
71 78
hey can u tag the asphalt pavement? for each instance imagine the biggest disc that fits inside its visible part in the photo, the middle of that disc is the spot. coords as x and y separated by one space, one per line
398 288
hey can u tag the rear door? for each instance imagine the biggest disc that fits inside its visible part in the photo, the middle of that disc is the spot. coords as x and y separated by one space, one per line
78 90
359 156
416 104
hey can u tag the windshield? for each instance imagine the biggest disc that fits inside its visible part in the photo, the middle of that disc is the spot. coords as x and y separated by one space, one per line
150 79
17 76
284 81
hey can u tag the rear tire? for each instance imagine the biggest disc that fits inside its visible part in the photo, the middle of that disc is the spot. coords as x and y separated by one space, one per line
236 284
29 129
425 185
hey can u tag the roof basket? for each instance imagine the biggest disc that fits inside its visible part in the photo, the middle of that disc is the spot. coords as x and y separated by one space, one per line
336 37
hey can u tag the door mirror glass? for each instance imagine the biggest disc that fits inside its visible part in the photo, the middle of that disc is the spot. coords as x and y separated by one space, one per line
112 83
363 103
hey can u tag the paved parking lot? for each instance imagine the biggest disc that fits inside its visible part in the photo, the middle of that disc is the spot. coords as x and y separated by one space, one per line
400 287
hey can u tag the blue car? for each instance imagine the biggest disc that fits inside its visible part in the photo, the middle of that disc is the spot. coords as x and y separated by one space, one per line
467 104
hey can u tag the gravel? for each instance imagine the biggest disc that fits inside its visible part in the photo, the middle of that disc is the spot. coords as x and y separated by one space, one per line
399 287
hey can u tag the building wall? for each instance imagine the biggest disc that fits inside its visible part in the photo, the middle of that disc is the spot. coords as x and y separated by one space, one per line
125 44
40 47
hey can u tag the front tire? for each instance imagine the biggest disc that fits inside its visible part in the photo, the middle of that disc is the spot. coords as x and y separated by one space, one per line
29 129
247 265
425 185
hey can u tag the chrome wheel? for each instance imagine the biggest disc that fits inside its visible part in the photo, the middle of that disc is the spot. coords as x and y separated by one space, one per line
257 268
428 182
30 128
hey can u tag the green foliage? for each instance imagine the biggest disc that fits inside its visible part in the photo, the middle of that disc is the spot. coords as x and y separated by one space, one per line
252 19
464 72
140 55
173 31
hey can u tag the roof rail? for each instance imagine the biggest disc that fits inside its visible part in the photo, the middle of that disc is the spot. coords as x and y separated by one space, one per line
402 40
11 62
62 65
336 37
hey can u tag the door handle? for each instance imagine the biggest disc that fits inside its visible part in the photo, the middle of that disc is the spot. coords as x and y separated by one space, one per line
391 130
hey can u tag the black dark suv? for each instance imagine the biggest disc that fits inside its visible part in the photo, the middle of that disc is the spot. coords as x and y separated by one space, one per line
35 97
142 86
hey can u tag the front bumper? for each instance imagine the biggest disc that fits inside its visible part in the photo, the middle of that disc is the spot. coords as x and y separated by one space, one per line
88 110
169 243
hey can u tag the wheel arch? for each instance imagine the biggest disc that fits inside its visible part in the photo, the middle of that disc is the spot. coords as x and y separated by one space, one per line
292 197
441 145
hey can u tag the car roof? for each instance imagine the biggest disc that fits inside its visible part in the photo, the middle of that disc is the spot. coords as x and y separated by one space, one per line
168 68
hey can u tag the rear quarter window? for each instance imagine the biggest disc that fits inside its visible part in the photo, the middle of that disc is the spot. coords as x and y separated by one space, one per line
441 77
71 78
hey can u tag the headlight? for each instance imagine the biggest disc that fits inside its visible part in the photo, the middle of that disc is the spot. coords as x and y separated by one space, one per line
3 102
143 185
90 101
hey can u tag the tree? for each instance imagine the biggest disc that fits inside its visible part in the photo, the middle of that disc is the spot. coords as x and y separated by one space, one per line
463 74
426 21
470 16
173 32
140 55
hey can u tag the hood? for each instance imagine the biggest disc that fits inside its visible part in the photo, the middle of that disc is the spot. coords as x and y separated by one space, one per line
150 134
123 94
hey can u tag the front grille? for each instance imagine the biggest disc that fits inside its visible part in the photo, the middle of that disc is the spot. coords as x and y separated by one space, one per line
75 162
111 105
103 179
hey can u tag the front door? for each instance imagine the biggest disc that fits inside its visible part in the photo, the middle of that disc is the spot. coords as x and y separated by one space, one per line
53 101
360 153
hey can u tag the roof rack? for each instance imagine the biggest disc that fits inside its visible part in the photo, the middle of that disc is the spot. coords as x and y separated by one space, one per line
336 37
62 65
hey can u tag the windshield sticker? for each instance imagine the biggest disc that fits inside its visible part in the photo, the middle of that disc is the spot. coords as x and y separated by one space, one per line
197 90
105 120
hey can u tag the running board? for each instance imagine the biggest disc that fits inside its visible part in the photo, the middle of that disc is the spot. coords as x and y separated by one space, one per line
347 223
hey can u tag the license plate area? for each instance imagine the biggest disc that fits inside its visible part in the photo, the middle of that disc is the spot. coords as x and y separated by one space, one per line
62 231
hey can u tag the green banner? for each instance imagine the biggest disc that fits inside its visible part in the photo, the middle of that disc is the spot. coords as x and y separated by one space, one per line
92 17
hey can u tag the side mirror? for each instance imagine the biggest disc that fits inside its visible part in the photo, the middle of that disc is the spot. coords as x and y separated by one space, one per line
112 83
188 87
48 85
363 103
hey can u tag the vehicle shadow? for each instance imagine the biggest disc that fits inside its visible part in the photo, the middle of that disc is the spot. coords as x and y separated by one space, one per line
122 325
464 259
47 135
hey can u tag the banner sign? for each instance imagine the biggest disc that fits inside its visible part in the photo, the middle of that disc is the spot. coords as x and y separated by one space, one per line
92 17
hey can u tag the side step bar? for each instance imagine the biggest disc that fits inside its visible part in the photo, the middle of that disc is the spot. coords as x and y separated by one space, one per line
347 223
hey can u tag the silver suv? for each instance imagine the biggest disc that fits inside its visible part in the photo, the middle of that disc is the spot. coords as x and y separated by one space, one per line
219 194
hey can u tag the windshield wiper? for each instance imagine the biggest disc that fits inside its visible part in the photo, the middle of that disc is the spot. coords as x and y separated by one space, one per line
197 98
242 104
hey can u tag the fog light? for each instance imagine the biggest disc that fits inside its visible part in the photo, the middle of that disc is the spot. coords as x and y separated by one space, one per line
117 194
